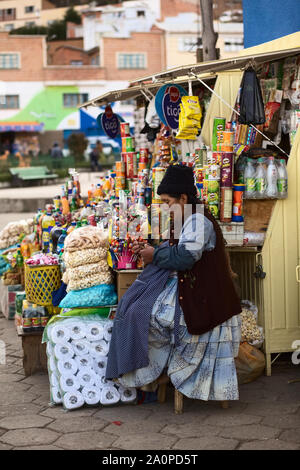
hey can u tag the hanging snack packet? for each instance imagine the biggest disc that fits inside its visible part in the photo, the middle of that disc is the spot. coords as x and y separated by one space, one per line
189 118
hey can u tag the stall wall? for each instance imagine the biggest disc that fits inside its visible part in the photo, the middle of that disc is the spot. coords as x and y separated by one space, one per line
226 86
280 256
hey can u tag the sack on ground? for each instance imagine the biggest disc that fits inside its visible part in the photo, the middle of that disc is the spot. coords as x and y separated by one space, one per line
250 363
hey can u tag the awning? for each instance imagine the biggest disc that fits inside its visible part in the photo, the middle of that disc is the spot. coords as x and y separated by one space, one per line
21 126
216 66
133 92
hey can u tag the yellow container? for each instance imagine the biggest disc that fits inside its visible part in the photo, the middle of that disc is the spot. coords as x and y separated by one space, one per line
40 282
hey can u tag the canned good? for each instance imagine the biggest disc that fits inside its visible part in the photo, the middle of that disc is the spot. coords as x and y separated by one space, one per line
214 210
130 144
199 175
125 129
131 168
227 169
120 168
214 172
120 182
237 210
144 153
218 125
142 166
129 185
124 144
226 205
157 176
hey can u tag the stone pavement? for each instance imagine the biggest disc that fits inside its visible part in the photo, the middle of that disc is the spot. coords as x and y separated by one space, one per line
267 416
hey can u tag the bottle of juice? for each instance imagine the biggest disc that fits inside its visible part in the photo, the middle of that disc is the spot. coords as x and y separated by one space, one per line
19 258
26 317
48 223
260 180
71 228
35 319
65 205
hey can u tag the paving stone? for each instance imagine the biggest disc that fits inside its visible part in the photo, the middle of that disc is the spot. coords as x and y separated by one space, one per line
271 409
285 422
24 421
251 431
9 378
5 446
196 429
85 441
269 444
37 379
206 443
257 396
209 407
38 448
148 441
16 397
7 388
19 409
60 413
123 413
169 417
232 420
291 435
69 423
142 427
31 436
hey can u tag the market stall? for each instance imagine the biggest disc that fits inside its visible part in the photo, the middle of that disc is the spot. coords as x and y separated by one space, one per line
74 261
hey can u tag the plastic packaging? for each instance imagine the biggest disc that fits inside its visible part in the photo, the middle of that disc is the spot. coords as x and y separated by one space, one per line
92 297
260 180
282 180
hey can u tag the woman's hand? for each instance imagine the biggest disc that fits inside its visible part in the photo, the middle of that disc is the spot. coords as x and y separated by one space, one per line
136 247
147 254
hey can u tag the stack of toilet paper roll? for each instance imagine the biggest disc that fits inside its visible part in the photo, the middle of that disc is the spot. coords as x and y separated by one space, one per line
77 350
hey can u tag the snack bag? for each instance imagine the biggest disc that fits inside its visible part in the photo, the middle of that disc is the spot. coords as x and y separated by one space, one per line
189 118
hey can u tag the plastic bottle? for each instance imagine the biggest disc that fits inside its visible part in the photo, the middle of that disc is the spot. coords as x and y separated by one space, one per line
260 180
55 234
26 317
65 205
44 316
272 175
35 319
249 178
71 228
282 180
61 241
48 223
19 258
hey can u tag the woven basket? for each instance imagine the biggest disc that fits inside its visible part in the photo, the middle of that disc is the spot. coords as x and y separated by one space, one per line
40 282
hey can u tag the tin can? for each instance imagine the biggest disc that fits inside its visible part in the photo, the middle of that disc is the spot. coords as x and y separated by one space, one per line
214 210
214 172
125 129
142 166
226 205
124 144
120 168
129 185
130 144
213 192
131 169
144 153
216 158
227 169
220 140
157 176
123 159
218 125
199 175
227 144
237 209
120 182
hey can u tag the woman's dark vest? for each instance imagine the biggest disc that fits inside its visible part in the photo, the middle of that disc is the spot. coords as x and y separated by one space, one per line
206 292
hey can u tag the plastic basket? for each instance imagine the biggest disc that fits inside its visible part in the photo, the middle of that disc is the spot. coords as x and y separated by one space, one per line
40 282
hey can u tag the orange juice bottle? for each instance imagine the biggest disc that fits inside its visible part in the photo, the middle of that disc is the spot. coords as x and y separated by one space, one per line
65 205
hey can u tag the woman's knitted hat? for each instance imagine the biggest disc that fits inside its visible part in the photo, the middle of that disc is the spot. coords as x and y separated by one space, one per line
178 179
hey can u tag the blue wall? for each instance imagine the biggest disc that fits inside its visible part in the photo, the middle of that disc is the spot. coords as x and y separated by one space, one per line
265 20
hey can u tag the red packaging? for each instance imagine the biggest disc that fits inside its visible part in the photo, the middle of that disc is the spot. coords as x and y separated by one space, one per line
125 129
91 220
131 165
226 169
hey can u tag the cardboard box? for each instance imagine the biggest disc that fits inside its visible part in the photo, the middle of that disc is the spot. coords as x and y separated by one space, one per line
124 280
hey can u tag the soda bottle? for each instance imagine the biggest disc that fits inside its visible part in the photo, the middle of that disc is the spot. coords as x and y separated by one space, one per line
71 228
26 317
35 319
61 241
249 178
272 175
260 180
48 223
19 258
44 316
55 234
282 180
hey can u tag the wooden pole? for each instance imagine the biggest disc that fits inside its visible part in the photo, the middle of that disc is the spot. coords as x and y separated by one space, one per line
209 37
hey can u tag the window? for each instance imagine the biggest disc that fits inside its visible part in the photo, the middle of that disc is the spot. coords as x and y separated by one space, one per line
187 44
29 24
29 9
140 13
76 62
233 44
9 102
95 60
72 100
9 61
8 14
9 27
131 61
